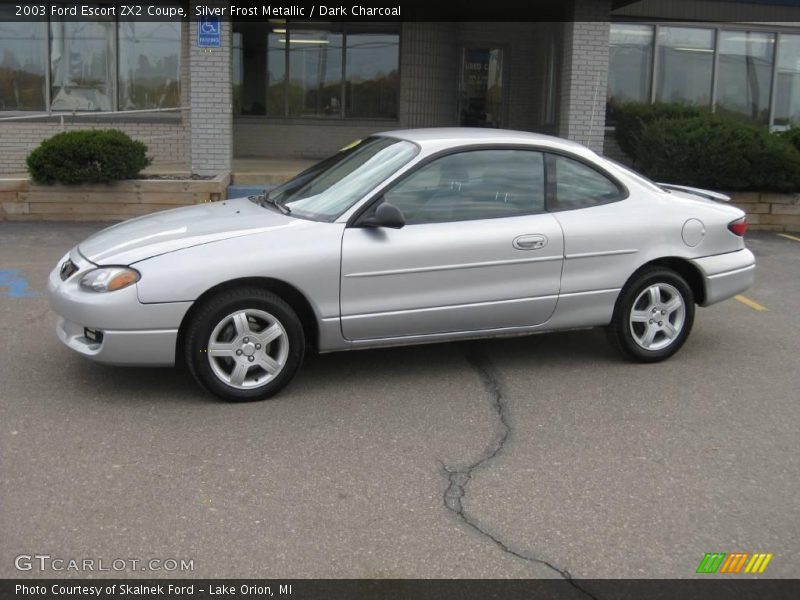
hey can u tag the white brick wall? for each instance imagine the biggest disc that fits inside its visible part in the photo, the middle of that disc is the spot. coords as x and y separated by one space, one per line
429 62
166 142
584 73
210 97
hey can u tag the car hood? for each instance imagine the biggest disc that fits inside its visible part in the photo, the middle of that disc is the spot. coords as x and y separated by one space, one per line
176 229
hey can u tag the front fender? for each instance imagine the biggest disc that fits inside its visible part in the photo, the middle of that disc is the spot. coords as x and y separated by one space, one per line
305 255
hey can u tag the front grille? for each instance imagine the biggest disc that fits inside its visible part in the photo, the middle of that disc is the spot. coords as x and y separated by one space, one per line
68 268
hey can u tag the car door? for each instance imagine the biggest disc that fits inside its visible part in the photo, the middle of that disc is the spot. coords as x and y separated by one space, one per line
478 251
604 228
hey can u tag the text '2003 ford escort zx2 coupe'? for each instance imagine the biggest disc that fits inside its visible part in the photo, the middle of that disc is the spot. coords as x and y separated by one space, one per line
404 237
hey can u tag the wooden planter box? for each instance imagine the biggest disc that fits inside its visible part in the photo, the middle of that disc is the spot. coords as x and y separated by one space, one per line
21 200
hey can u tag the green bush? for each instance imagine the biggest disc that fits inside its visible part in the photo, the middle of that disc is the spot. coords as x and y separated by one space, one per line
792 135
633 117
720 153
92 156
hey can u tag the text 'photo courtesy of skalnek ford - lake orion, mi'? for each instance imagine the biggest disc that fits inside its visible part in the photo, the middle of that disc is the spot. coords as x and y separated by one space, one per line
400 301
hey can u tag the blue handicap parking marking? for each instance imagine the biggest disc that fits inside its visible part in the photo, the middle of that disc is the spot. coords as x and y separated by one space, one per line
14 285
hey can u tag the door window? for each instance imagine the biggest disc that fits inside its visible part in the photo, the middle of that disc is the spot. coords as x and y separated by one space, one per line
578 185
481 184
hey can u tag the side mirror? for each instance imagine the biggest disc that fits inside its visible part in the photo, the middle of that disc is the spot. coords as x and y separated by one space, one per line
386 215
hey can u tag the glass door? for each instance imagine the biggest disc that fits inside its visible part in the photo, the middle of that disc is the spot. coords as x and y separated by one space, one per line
481 97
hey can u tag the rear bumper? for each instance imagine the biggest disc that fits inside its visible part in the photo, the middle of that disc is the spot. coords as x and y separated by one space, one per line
726 275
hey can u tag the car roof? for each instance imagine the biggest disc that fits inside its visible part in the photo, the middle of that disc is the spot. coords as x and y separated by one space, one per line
463 136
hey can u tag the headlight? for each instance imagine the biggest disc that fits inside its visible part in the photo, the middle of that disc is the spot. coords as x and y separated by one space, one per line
109 279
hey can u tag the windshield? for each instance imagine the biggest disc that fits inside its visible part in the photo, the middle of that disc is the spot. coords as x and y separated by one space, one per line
330 187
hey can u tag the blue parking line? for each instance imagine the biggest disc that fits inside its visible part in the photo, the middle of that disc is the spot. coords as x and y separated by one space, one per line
14 285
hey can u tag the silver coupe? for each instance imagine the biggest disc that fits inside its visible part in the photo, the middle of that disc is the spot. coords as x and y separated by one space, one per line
405 237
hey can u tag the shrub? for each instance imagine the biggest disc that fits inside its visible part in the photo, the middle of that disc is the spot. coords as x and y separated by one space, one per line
717 152
792 136
633 117
92 156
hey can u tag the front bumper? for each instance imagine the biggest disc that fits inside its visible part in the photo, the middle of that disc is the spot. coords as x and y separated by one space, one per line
726 275
133 333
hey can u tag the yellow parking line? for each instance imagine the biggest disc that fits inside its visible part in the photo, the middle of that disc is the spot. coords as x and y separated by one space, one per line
751 303
789 237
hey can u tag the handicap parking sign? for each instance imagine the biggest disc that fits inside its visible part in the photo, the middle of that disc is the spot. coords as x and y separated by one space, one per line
209 32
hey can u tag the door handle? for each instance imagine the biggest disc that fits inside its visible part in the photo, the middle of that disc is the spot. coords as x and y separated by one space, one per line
530 242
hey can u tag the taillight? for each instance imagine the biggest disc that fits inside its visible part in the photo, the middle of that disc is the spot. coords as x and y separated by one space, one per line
738 227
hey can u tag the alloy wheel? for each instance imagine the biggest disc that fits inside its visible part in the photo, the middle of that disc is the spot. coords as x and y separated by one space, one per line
248 348
657 316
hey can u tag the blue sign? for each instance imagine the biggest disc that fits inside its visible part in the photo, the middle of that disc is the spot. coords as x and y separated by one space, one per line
209 32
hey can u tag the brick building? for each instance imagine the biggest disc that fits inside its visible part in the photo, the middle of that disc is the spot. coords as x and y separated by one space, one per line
294 89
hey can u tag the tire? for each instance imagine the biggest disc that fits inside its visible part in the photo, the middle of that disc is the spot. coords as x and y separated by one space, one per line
650 326
244 344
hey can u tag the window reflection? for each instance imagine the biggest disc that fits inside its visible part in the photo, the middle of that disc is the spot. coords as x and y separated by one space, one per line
276 71
685 65
23 64
149 65
315 71
745 74
334 70
81 62
373 79
787 88
480 184
630 60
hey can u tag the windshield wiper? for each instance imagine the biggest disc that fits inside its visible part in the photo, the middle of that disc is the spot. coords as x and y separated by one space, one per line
263 199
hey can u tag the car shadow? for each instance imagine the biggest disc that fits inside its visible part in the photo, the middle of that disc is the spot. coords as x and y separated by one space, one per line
320 371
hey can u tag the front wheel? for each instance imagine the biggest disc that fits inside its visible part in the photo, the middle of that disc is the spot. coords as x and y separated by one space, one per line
244 344
653 316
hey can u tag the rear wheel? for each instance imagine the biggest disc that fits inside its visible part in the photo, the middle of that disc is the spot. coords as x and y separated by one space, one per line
244 344
653 316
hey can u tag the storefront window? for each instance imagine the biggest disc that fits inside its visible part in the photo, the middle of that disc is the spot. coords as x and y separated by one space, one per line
481 97
373 78
629 64
237 52
334 70
81 64
685 65
787 86
698 65
101 65
276 71
23 64
315 71
745 74
149 65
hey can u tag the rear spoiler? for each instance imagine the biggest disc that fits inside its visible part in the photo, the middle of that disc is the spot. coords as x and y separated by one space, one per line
709 195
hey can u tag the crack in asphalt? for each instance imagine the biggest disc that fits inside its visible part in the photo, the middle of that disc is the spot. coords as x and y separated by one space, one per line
459 478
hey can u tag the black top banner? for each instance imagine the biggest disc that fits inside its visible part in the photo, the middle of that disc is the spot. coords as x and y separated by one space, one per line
382 10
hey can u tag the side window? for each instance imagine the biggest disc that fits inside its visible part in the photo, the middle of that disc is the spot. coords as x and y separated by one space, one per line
578 185
477 184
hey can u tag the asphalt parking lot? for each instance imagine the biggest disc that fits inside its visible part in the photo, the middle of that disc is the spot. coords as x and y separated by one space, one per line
527 457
